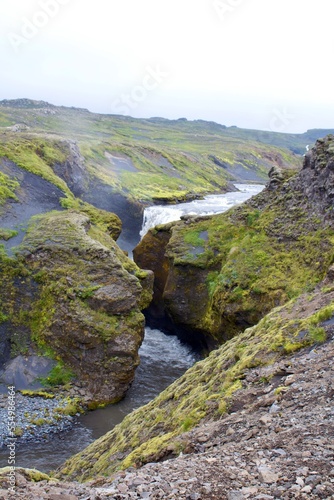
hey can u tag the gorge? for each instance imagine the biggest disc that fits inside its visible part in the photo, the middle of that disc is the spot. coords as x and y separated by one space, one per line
163 359
253 286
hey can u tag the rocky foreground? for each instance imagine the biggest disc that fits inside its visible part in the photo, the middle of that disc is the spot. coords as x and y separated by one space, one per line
276 443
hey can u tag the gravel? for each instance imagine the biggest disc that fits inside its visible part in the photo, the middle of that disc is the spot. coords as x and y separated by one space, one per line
36 418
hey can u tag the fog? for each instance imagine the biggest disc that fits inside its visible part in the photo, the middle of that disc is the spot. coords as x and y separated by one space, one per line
250 63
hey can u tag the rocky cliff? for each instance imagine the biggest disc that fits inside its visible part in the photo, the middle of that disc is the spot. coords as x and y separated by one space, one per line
218 275
253 372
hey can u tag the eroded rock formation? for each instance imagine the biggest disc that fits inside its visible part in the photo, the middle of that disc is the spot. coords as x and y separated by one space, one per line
83 306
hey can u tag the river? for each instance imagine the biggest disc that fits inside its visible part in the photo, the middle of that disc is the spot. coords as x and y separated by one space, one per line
163 358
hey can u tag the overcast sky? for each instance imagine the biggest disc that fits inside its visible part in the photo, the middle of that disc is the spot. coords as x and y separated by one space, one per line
263 64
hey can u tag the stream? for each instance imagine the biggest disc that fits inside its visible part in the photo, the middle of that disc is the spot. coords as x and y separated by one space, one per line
163 358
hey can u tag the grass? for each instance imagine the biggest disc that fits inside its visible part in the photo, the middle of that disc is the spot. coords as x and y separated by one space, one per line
36 155
7 234
37 393
58 375
8 186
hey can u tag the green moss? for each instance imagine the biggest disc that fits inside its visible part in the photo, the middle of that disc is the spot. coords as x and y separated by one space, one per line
37 156
37 393
58 375
3 317
291 346
280 390
317 334
73 407
211 282
31 474
8 187
188 423
324 314
7 234
193 238
105 221
148 450
252 217
39 421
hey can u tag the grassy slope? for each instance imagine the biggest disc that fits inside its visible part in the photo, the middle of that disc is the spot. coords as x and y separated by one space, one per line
170 159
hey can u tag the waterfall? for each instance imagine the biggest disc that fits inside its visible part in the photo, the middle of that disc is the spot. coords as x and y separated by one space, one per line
159 214
211 204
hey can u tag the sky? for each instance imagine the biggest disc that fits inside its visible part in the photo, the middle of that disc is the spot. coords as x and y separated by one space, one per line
261 64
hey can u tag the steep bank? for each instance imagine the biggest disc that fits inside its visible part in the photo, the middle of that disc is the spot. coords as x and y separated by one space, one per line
217 275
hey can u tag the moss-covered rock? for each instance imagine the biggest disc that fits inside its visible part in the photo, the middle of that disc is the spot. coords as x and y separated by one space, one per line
223 273
151 254
80 303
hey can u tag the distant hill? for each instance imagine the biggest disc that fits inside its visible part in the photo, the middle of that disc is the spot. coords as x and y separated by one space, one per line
121 164
176 158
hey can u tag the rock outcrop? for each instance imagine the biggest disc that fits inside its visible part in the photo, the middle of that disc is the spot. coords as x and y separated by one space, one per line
73 170
76 298
218 275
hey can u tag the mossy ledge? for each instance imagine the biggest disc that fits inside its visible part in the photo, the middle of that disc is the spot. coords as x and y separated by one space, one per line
206 391
77 299
221 274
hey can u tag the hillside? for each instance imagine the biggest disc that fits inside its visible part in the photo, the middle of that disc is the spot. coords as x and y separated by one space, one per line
275 441
121 164
154 159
